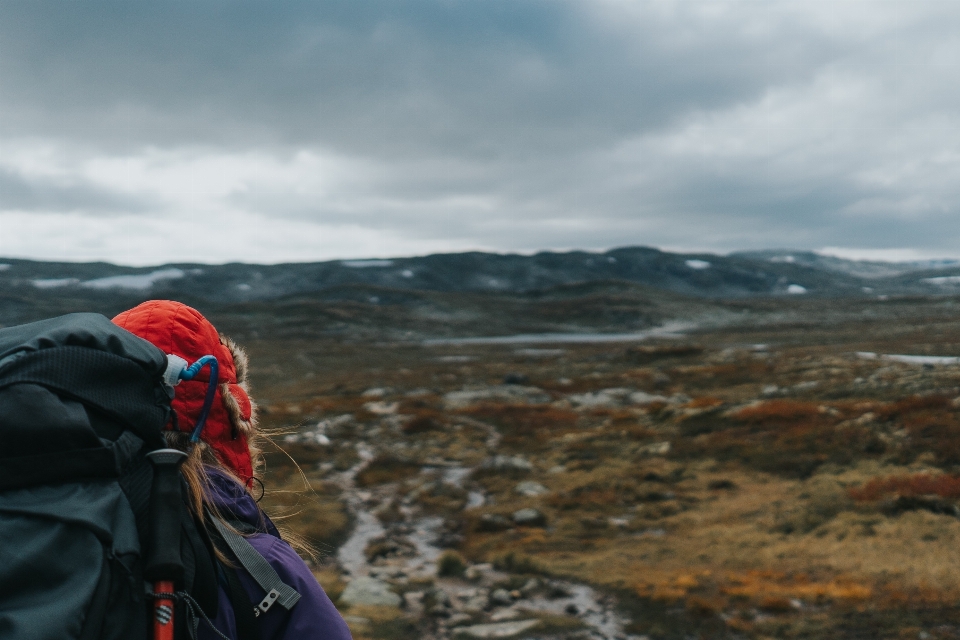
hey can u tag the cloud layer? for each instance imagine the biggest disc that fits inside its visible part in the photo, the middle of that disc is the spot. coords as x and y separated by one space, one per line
215 131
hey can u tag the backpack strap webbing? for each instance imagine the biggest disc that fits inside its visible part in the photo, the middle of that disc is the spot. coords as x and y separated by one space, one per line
260 570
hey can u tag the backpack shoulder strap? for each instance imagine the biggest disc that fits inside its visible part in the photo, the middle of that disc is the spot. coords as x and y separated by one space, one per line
248 628
260 570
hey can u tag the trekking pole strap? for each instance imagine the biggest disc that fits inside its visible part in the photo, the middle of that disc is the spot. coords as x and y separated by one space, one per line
259 569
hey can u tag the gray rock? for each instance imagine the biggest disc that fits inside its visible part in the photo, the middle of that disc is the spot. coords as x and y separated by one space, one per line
369 591
656 449
494 522
438 596
498 629
501 598
507 463
413 601
529 518
641 397
503 393
530 489
477 571
476 604
382 408
458 619
606 398
530 586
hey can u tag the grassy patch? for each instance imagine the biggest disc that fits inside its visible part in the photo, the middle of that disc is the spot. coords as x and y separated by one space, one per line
385 469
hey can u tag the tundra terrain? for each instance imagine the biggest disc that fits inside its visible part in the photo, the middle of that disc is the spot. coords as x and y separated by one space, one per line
601 458
783 468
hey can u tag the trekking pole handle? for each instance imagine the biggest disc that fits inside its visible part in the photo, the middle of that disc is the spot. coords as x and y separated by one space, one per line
164 565
163 557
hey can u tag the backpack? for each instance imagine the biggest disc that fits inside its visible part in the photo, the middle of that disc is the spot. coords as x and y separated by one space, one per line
82 402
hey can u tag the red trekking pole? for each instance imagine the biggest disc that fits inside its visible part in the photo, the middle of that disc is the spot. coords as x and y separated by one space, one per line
164 566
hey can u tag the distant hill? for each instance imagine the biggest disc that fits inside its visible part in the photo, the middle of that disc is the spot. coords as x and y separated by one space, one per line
392 281
858 268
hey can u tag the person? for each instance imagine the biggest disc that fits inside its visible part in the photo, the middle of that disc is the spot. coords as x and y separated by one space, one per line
221 472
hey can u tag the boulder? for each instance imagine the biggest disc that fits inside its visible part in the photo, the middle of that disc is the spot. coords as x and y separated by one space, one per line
477 571
529 518
497 629
507 463
476 603
458 619
369 591
655 449
530 489
382 408
641 397
604 399
508 393
494 522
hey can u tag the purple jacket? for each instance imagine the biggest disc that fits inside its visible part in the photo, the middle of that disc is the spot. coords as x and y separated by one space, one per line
314 616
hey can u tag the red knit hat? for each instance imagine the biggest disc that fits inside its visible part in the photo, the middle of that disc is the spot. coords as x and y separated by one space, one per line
180 330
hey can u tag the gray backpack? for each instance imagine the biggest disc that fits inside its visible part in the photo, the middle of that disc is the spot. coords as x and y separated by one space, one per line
82 402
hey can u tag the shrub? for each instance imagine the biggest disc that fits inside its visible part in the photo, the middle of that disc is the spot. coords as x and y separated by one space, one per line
705 402
521 424
422 424
648 354
932 425
914 405
517 563
383 469
920 484
777 411
451 564
783 436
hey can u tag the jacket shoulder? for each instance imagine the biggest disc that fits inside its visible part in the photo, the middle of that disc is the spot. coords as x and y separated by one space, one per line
314 616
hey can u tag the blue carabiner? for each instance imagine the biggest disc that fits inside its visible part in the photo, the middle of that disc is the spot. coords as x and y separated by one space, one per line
188 374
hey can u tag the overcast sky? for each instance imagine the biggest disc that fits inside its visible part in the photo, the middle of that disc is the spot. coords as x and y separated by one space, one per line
150 132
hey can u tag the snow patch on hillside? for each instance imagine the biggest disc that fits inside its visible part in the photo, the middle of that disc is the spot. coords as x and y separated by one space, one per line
139 281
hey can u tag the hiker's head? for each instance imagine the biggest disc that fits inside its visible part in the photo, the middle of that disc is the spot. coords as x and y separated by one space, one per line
230 430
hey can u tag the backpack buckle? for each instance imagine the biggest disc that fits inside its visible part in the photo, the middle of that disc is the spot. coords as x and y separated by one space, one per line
266 603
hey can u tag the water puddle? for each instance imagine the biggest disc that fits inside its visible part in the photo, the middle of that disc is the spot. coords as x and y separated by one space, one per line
670 330
909 359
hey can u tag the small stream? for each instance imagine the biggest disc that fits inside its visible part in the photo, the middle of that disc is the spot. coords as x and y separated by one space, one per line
351 555
595 611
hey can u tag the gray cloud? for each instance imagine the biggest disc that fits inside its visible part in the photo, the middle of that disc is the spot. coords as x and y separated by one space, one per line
503 124
39 195
374 77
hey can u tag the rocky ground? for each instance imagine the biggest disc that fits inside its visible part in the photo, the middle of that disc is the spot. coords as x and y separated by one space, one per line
781 467
762 481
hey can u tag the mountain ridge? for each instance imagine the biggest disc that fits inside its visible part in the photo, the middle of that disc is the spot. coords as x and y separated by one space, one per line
771 273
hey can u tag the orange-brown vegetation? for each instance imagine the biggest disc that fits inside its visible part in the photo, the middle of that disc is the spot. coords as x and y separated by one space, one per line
919 484
705 402
760 513
790 438
523 425
386 468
